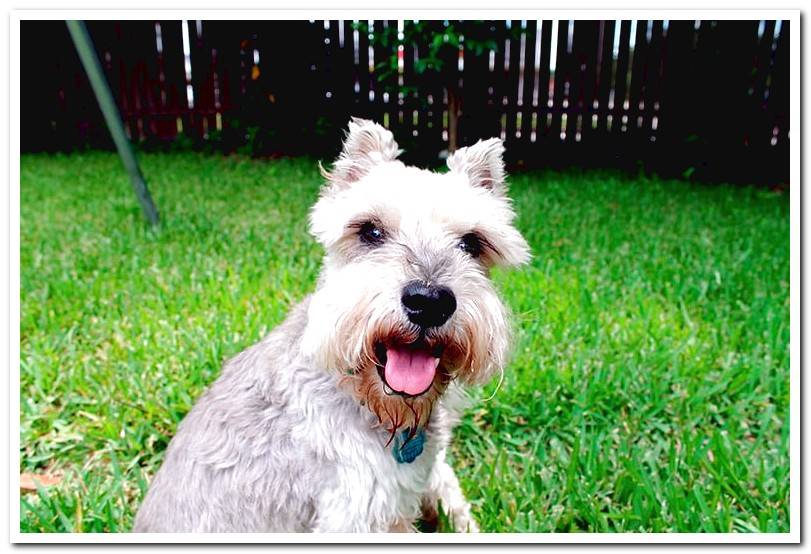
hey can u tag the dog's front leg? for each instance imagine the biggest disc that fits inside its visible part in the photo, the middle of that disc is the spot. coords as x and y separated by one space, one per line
403 526
353 503
336 515
347 505
444 488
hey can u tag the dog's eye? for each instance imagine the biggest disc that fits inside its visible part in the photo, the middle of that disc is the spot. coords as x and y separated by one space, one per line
472 244
371 234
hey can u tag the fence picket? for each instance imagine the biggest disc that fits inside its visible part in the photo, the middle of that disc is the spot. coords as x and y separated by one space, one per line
683 96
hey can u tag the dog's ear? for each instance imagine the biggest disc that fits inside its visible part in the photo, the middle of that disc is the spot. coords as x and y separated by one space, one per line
482 163
366 145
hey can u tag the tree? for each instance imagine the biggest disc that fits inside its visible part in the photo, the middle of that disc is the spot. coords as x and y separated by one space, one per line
439 44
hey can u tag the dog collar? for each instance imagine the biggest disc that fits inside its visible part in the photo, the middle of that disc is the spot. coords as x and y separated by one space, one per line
406 451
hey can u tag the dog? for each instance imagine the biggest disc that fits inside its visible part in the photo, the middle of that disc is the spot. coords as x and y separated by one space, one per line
340 418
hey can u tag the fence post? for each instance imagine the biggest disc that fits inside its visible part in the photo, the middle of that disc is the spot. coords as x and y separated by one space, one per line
84 47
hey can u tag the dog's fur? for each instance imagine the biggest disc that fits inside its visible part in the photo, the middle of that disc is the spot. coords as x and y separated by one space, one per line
296 434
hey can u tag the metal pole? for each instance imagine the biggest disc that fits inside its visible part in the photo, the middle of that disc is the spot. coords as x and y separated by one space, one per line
84 46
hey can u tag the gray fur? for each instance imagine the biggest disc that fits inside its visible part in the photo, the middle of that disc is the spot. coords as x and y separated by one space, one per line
246 458
295 433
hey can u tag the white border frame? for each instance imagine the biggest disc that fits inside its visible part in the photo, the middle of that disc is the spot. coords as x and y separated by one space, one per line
633 538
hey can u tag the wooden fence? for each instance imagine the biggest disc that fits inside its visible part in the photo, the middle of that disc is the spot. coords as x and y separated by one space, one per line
702 98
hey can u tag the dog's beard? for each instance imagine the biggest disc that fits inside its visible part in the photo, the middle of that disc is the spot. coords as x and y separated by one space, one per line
394 409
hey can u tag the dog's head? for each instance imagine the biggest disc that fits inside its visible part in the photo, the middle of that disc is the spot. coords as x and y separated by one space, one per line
404 303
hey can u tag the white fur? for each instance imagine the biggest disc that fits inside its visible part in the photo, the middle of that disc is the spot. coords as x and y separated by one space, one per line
287 438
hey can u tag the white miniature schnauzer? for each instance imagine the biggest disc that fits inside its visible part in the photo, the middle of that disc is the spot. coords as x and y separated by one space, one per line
339 419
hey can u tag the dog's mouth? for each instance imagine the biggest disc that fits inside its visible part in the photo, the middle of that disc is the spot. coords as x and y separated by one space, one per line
407 369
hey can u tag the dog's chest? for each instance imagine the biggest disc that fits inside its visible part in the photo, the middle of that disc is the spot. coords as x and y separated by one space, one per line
400 485
365 469
401 460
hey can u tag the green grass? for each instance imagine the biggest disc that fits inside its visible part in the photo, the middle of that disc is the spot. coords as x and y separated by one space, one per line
649 389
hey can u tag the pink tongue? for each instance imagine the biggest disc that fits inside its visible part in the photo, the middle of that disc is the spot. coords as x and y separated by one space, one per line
410 371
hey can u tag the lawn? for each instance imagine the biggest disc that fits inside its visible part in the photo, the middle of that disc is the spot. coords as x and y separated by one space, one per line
649 389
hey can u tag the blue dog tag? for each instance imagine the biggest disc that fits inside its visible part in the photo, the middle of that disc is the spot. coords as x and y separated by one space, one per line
406 452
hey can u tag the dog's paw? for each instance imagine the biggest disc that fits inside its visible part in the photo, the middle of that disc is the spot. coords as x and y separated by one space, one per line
465 524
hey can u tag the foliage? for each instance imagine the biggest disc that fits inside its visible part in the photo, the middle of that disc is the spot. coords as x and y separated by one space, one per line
649 390
439 43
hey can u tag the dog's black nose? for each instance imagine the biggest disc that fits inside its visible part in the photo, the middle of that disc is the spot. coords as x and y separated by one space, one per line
426 305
